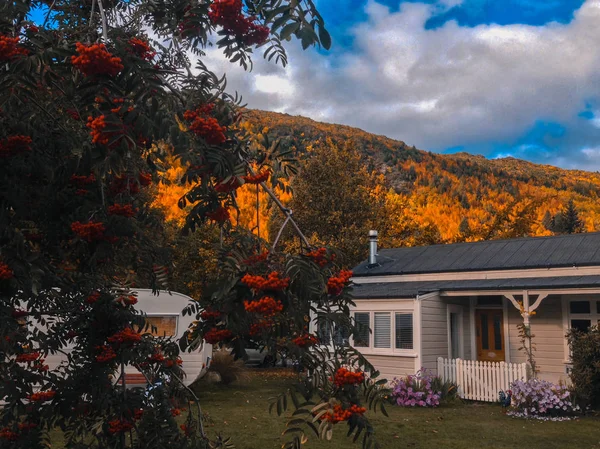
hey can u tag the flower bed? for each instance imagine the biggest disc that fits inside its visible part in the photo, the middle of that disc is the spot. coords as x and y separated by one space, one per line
415 391
540 399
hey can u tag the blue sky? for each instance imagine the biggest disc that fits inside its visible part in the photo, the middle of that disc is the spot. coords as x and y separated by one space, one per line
499 78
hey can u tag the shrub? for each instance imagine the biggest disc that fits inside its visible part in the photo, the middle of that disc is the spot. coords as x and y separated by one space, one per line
585 373
541 399
228 369
448 390
416 390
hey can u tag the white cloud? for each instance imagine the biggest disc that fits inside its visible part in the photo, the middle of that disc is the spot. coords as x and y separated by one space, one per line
443 87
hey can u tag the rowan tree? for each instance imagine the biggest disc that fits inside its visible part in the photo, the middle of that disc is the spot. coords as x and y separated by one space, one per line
90 98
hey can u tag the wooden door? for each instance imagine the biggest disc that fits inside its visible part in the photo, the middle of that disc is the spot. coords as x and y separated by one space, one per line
490 335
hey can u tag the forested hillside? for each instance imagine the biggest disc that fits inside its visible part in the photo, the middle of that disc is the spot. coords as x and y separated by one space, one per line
465 197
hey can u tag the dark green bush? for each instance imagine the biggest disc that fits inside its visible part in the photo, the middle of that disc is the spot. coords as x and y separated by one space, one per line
585 372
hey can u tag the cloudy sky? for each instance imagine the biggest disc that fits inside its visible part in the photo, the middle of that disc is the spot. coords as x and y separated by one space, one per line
493 77
499 77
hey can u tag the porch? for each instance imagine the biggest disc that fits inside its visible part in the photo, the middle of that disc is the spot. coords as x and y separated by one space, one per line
485 327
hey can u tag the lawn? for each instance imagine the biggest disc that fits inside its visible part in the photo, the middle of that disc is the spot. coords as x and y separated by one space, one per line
241 412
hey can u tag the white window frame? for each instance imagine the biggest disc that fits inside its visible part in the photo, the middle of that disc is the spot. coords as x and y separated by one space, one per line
391 307
458 309
593 316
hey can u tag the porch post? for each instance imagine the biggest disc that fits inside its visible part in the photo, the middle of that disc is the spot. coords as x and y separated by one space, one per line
527 311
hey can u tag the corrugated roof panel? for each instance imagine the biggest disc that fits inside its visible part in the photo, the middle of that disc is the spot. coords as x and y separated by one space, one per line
533 252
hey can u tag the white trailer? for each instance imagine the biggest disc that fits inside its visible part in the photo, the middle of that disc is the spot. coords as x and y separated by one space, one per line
163 312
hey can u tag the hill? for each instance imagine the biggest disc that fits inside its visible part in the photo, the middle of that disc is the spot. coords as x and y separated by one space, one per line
461 194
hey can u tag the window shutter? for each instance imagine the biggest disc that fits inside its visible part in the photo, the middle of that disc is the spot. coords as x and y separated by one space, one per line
404 331
363 338
383 330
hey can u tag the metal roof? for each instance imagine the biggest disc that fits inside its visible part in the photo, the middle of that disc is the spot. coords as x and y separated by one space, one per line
530 252
385 290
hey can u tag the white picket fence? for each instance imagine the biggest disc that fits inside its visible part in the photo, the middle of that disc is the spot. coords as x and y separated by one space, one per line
480 381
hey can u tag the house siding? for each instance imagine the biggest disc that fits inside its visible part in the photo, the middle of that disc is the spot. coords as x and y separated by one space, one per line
547 328
391 366
434 329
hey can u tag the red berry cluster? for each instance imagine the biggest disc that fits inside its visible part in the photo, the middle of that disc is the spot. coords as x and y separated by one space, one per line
7 434
209 314
335 284
220 214
93 298
24 426
344 376
319 256
83 181
204 126
5 272
175 411
107 353
257 328
124 183
216 335
73 114
13 145
145 179
9 48
126 336
266 306
124 210
186 429
18 313
305 340
142 49
272 282
257 258
170 362
42 396
91 231
338 413
97 131
96 60
27 357
229 186
157 357
257 178
228 14
119 425
127 300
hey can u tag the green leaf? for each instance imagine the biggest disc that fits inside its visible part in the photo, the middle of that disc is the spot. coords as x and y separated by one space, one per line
288 30
324 37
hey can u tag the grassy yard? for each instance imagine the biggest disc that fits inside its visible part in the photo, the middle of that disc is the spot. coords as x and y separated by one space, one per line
241 412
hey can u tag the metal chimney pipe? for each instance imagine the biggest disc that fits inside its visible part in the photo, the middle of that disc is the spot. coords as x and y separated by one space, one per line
372 247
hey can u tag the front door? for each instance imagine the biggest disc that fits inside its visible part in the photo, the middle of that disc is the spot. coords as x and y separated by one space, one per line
490 335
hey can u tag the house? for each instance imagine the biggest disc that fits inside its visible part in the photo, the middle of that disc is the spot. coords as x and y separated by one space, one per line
466 300
164 312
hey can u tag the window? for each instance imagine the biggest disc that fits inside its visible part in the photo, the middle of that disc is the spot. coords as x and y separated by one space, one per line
392 332
162 325
383 330
363 321
404 331
583 314
324 332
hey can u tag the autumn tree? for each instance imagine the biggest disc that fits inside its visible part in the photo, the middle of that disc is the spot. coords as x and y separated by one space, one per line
90 99
333 199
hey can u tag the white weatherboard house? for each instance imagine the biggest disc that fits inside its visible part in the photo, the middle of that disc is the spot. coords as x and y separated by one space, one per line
454 309
163 312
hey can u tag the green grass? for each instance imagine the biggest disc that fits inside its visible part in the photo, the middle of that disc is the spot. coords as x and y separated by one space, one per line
241 412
